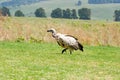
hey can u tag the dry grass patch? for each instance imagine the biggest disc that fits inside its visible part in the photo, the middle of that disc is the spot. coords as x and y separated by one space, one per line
88 32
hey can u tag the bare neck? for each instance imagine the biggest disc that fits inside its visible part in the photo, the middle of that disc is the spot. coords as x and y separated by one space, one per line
54 34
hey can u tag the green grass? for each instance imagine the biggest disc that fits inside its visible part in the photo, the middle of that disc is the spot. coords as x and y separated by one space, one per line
44 61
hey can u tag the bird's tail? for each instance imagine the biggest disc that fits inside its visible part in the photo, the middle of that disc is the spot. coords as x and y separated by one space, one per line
80 46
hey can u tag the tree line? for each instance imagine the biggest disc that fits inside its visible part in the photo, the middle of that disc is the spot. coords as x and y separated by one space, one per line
83 13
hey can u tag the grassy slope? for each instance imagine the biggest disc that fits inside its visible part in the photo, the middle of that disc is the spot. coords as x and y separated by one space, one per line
99 12
43 61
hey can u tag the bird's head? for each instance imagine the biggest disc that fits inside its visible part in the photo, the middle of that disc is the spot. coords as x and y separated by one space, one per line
52 30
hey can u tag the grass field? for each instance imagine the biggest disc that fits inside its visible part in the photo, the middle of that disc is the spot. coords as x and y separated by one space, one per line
44 61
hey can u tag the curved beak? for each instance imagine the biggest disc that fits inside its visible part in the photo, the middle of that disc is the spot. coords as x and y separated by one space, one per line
49 30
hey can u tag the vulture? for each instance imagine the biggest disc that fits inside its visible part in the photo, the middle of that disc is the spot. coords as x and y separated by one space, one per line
68 42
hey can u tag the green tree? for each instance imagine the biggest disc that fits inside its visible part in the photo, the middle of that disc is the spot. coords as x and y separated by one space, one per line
57 13
5 11
84 13
64 13
117 15
19 13
40 12
74 14
67 13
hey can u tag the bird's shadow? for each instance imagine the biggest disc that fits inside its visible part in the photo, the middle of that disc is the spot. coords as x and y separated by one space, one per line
66 53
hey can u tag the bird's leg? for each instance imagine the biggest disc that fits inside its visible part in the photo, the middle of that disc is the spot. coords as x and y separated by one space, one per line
64 50
70 52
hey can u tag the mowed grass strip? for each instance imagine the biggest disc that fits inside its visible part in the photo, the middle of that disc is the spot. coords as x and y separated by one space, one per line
44 61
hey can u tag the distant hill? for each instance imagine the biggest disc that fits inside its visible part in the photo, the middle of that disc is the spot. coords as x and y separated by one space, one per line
103 1
19 2
28 7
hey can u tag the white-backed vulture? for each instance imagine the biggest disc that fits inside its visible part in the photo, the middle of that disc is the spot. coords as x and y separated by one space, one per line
66 41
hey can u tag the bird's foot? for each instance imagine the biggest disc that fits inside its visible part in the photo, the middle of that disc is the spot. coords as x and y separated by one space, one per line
70 52
64 50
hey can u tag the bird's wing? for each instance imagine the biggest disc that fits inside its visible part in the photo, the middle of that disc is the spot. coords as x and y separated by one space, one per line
60 40
72 36
73 43
69 41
